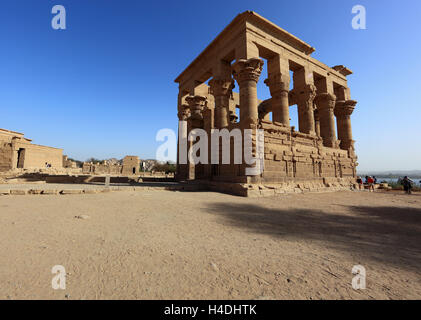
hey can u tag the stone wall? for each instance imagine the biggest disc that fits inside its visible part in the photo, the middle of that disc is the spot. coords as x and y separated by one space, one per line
6 156
17 152
37 156
294 155
90 168
69 163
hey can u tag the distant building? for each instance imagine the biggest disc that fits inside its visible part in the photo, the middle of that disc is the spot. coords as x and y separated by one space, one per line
69 163
18 152
131 165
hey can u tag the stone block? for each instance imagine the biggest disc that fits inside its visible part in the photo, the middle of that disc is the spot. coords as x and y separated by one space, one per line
18 192
267 192
34 191
91 191
71 191
49 192
4 192
253 193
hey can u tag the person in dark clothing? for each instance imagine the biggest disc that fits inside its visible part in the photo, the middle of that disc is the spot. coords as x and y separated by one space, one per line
360 182
407 185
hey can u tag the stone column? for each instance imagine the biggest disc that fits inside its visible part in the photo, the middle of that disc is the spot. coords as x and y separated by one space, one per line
196 104
317 122
343 111
305 98
279 89
326 105
247 73
182 169
221 90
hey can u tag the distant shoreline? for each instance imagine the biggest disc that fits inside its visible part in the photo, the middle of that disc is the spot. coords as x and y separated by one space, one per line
393 176
390 176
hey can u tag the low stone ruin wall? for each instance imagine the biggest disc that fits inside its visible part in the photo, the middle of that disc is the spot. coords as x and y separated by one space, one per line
268 190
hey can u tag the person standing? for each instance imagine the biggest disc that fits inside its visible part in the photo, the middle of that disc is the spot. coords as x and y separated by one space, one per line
360 182
407 185
370 182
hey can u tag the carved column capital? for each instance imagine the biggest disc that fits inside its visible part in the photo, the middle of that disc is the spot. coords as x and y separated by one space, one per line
344 108
196 104
221 87
184 113
247 70
278 85
308 93
325 101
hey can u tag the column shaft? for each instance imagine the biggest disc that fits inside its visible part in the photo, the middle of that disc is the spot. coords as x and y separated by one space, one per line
279 89
221 90
326 106
306 109
317 122
247 73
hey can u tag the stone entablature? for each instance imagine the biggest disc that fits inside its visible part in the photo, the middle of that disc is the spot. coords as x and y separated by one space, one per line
321 147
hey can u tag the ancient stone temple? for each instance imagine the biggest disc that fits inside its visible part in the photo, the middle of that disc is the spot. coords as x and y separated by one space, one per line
18 152
319 154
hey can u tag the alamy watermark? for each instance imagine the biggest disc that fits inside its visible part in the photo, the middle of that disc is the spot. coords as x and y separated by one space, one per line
59 20
360 18
245 149
59 280
359 280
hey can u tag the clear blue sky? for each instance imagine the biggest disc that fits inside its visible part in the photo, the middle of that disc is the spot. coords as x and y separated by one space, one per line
104 86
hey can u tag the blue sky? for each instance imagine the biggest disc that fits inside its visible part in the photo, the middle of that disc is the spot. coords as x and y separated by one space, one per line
104 86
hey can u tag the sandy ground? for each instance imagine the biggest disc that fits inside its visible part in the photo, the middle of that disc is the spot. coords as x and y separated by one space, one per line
41 185
203 245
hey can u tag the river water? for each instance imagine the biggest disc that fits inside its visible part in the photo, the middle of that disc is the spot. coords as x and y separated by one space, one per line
380 179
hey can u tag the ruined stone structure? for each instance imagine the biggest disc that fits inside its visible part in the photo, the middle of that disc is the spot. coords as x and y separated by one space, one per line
130 166
69 163
101 168
320 154
17 152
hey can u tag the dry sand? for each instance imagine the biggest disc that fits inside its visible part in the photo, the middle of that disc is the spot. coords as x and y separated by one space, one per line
180 245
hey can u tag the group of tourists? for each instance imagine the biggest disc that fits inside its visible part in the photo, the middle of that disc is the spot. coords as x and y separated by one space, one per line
370 181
